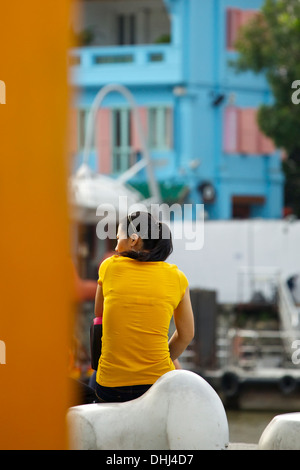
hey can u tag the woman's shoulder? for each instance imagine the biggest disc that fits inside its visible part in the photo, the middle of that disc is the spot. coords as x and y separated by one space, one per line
173 268
180 276
105 263
107 260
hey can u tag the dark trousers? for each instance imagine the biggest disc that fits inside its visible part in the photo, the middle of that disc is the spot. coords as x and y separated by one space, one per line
120 394
82 394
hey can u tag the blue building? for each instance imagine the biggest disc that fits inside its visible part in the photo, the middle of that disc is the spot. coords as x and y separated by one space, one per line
198 114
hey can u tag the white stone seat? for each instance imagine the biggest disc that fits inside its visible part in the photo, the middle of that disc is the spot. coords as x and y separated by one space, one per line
180 411
282 433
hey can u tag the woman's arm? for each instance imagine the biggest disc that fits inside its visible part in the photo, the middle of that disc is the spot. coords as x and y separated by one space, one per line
184 323
99 301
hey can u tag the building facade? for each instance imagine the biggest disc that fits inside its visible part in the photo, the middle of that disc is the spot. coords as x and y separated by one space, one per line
198 115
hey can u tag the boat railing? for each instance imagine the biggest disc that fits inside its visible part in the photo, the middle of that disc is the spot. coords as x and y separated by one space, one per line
251 349
288 313
257 285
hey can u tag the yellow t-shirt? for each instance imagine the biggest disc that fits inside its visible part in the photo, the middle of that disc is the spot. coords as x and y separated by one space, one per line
139 301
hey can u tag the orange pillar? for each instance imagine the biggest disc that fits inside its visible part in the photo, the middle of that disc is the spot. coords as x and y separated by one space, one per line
35 280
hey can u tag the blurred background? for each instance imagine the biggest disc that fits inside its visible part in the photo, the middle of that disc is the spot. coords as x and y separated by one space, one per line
190 102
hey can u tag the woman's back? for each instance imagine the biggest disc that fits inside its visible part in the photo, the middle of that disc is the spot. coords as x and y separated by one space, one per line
139 301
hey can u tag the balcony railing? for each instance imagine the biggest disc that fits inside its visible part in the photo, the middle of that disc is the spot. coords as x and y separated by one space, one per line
133 65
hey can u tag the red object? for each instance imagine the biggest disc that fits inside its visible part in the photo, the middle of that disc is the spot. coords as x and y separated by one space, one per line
287 211
97 321
85 289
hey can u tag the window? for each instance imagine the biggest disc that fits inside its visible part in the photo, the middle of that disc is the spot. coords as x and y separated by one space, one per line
235 19
122 152
242 134
113 59
126 27
156 57
116 140
160 128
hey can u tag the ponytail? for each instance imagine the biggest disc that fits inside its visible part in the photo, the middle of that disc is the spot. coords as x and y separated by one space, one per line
155 235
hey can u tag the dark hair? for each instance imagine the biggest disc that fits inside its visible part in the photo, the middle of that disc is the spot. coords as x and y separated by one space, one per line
156 237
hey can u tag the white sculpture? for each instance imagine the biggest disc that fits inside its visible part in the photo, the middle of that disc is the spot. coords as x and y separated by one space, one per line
282 433
180 411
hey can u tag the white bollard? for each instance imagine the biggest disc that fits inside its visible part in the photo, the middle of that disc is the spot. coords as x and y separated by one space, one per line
180 411
282 433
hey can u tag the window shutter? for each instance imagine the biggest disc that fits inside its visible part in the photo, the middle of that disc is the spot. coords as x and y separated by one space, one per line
233 24
230 129
247 15
235 19
248 131
135 140
103 140
169 128
242 134
265 144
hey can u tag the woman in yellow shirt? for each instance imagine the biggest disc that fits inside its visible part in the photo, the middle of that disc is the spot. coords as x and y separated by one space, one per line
138 293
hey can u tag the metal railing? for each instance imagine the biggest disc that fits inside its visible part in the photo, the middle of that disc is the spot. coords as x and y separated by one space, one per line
252 349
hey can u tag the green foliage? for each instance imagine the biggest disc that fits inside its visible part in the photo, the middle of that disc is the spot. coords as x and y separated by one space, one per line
82 38
163 39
